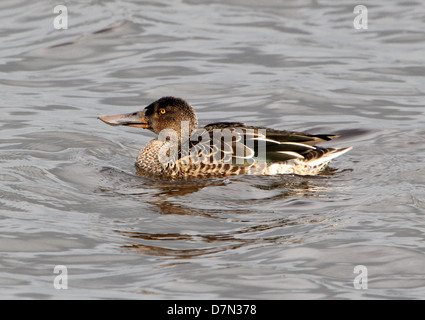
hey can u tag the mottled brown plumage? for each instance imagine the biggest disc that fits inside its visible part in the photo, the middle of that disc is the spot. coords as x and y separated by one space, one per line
183 151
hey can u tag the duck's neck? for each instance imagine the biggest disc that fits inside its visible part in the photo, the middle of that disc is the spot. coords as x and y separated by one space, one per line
179 135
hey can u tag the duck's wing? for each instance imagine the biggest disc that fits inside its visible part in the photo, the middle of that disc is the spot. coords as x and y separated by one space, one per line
287 145
240 144
218 143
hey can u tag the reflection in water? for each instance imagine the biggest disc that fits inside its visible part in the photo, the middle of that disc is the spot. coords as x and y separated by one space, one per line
161 248
242 224
210 243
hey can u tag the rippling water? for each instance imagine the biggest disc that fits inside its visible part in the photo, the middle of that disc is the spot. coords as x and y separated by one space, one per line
69 194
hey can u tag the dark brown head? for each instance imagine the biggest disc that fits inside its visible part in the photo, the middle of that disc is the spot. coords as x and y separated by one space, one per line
165 113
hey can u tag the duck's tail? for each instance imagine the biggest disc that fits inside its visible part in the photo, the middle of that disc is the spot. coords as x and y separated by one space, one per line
321 156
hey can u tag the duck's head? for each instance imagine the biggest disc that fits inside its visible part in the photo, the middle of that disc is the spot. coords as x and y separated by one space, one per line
165 113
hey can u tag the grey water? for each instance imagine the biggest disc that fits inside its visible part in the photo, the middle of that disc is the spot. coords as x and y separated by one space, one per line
70 196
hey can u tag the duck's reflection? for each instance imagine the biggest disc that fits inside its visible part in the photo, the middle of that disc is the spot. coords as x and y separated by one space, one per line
211 244
142 242
179 198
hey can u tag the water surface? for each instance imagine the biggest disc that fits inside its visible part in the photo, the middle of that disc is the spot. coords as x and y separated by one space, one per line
69 193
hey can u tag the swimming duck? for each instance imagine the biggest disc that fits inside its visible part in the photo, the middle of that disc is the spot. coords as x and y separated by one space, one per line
184 151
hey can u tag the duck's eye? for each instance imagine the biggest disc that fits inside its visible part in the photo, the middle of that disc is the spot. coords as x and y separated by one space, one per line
162 111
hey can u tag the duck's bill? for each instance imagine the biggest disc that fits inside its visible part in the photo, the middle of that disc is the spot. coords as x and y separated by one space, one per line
136 119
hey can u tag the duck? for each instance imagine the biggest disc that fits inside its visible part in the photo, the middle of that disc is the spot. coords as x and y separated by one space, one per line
183 151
